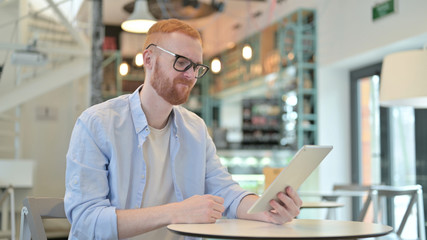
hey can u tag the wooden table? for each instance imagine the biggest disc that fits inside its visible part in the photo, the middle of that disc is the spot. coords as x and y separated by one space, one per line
297 229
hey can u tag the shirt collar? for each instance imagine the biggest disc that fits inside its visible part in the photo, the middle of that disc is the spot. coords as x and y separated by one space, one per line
138 115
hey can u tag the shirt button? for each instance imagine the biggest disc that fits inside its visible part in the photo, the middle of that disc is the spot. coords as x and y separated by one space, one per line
142 176
146 129
136 206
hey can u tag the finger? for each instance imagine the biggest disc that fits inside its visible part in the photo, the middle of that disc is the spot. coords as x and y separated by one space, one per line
276 218
281 211
216 215
215 203
212 220
217 199
218 207
288 203
294 195
285 200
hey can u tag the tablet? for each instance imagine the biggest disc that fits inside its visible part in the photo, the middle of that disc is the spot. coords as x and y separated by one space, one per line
294 174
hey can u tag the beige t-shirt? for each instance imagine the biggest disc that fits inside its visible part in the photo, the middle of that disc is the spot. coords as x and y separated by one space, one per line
159 188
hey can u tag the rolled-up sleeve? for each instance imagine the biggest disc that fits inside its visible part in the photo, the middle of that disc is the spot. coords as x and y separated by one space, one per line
86 201
219 182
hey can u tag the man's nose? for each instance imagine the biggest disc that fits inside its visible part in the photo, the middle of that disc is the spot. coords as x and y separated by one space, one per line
190 73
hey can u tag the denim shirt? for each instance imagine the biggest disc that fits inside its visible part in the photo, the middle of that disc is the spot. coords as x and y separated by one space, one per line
106 170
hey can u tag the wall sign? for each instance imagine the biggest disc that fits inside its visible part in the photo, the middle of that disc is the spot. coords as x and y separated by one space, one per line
383 9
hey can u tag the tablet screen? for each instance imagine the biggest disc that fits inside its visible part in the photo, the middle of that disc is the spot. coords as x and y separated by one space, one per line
294 174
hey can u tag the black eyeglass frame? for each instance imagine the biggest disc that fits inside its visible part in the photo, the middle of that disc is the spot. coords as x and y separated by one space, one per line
177 56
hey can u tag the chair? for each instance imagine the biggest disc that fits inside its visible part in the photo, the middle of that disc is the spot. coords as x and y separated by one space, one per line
270 174
16 176
36 209
356 192
351 187
379 193
7 192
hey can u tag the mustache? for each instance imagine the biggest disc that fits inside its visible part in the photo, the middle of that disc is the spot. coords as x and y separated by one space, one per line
182 81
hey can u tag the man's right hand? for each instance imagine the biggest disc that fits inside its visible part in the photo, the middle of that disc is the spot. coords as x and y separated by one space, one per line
198 209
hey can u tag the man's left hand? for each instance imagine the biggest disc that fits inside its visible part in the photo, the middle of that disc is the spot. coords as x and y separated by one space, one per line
286 208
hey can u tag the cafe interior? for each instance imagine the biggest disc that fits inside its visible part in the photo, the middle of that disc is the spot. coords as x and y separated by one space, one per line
283 74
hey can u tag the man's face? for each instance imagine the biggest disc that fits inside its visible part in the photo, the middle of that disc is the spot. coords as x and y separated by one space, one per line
175 91
173 86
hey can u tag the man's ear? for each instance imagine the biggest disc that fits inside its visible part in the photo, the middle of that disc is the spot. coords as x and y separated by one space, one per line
148 57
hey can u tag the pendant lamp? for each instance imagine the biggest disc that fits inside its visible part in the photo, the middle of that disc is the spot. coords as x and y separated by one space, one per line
404 79
140 20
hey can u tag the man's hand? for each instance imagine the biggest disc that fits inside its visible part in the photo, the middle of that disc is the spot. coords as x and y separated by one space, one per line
286 208
198 209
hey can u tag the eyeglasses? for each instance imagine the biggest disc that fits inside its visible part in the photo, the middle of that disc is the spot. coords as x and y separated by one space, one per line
182 63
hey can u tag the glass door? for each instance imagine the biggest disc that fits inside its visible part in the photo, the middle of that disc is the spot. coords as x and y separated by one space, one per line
383 145
369 125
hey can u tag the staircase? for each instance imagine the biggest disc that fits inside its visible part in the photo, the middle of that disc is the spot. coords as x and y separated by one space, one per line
68 60
68 54
67 51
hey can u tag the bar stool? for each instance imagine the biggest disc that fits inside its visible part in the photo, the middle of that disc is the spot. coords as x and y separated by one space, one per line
378 195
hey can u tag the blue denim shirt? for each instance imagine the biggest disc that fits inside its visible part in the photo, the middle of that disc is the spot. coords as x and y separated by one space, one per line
106 170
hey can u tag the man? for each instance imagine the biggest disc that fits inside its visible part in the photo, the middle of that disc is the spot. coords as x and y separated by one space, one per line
139 162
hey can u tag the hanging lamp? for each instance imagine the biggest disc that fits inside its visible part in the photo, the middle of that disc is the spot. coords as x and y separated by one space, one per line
404 79
140 20
247 52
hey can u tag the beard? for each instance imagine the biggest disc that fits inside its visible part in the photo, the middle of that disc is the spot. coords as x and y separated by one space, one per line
171 91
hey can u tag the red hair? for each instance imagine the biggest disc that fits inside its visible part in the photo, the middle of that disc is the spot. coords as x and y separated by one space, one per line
170 26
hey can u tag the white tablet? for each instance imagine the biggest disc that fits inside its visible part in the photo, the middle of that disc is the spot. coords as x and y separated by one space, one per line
294 174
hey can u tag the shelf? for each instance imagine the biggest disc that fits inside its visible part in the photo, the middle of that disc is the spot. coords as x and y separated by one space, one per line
283 66
258 83
307 91
309 116
261 127
310 128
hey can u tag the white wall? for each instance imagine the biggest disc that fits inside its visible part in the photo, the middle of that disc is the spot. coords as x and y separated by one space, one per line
46 137
346 28
348 39
334 126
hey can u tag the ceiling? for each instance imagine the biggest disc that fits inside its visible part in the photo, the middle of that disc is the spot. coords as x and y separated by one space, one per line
219 29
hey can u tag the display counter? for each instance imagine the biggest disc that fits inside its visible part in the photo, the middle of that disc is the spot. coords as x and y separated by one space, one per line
246 166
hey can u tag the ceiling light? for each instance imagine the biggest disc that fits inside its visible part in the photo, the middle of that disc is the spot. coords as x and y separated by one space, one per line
247 52
139 59
404 79
216 65
124 69
140 20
